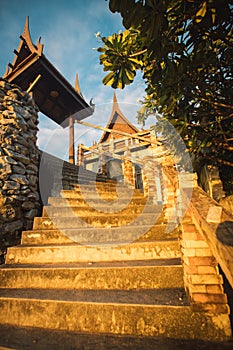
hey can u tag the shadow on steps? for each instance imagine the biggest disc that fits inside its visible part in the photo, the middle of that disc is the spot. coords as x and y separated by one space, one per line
42 339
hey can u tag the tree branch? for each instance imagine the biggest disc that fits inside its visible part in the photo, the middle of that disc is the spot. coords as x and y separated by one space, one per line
217 103
138 53
225 146
224 162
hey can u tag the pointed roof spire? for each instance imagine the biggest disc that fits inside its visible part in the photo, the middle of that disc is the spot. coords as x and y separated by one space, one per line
25 49
115 98
26 36
26 28
77 86
117 121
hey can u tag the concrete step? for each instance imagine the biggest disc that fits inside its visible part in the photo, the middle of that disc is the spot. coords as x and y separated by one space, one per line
130 209
146 232
165 296
106 192
138 313
101 186
70 180
95 220
150 274
90 184
82 179
94 195
106 183
27 338
121 192
75 179
59 201
69 253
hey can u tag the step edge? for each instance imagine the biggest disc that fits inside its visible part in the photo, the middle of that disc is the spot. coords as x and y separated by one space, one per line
156 306
47 268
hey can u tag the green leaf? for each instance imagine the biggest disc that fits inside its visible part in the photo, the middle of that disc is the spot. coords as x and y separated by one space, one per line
101 49
201 12
138 62
185 56
107 63
213 14
114 5
109 79
130 75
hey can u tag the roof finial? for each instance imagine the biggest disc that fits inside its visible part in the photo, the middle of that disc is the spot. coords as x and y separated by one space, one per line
117 119
114 98
39 45
26 36
26 28
77 86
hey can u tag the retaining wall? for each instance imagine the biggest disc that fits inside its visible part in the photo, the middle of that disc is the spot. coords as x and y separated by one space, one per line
19 159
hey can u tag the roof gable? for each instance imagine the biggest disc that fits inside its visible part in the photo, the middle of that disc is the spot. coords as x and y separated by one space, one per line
117 122
25 49
53 94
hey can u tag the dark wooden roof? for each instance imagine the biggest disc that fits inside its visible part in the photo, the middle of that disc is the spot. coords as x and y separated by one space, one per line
53 94
117 122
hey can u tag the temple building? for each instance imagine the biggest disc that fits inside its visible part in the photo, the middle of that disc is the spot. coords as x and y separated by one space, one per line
120 141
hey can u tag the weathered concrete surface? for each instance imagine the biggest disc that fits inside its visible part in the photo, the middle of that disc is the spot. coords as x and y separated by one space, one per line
87 210
112 276
93 201
131 319
111 194
25 338
144 233
107 286
73 253
97 220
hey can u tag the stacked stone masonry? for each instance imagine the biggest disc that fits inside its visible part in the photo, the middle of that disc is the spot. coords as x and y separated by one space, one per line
203 248
19 157
202 280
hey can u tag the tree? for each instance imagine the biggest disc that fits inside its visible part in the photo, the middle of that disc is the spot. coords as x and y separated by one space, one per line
184 49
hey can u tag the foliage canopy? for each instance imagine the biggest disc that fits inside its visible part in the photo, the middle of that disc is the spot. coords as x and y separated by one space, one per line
184 49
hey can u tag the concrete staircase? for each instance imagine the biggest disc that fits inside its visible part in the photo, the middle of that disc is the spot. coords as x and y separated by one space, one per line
99 261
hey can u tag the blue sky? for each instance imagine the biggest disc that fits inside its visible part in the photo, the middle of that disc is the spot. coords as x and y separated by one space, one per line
67 30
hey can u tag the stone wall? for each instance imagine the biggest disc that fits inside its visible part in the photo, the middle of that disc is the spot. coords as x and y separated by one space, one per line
215 224
202 279
227 203
206 243
19 158
209 180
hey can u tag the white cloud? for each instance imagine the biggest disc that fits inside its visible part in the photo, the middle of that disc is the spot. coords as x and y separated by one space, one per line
52 138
